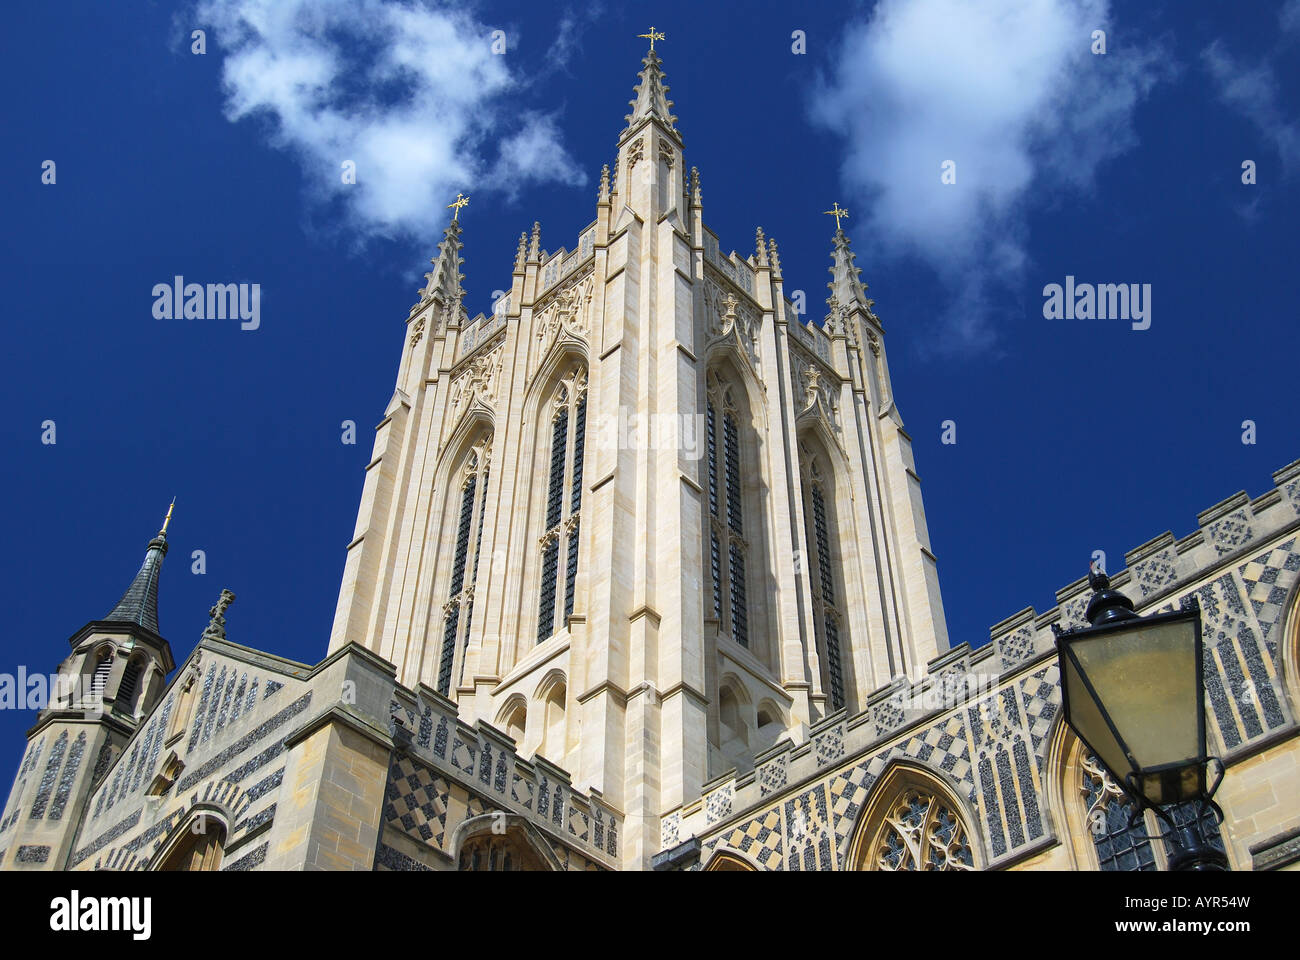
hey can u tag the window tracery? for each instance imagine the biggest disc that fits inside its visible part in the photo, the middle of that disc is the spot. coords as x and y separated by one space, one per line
459 609
728 546
563 503
921 832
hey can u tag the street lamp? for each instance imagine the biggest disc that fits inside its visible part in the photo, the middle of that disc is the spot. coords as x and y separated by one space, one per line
1133 690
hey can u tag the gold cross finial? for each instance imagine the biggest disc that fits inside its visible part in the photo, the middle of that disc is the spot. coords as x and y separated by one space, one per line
460 201
652 36
168 518
836 211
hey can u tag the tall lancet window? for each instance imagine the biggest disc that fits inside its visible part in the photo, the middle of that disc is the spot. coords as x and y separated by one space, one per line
568 409
819 527
458 611
728 548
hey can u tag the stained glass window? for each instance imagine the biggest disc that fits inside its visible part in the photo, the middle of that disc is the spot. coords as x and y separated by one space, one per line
727 547
921 832
822 569
458 609
568 438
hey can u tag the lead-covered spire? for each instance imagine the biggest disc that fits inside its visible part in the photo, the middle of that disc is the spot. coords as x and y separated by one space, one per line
139 605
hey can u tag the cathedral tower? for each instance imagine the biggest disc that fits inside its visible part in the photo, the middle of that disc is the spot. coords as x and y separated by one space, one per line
105 687
643 518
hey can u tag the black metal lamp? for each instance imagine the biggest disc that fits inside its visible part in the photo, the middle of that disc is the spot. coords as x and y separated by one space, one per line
1133 690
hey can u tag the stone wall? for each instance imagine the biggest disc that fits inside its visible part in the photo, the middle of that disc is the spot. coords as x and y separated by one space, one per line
985 723
332 767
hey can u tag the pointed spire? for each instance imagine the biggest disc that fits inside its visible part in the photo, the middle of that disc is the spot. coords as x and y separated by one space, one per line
846 286
445 277
775 259
535 244
521 254
697 197
139 605
603 195
760 249
651 96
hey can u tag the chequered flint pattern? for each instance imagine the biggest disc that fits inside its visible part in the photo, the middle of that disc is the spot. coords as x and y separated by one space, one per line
1268 578
416 800
759 839
1040 694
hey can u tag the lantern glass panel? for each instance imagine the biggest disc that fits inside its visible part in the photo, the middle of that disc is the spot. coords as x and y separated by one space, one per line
1086 719
1146 677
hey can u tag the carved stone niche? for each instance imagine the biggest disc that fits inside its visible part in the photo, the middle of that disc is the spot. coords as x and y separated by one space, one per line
569 312
732 319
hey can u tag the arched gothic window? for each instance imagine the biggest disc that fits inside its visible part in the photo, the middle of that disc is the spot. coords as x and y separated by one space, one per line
1107 812
514 720
103 667
729 863
911 821
728 548
509 851
130 680
920 831
828 614
458 611
563 502
199 848
554 743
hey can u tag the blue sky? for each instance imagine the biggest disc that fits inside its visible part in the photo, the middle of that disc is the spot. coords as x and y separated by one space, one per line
1072 435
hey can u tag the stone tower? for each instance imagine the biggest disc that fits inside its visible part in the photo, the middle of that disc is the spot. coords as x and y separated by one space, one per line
112 680
643 517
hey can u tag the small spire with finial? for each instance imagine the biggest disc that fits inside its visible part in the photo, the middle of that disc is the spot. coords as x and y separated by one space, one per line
603 196
216 628
697 197
521 254
775 258
535 244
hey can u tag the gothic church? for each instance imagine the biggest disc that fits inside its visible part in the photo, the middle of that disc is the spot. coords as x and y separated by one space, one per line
559 645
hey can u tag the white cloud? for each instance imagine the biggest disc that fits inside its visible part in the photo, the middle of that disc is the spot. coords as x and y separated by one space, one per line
412 94
1007 89
1288 17
1252 91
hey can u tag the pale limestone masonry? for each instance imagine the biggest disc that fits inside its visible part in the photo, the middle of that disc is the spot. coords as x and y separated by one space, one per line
643 690
563 642
291 765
